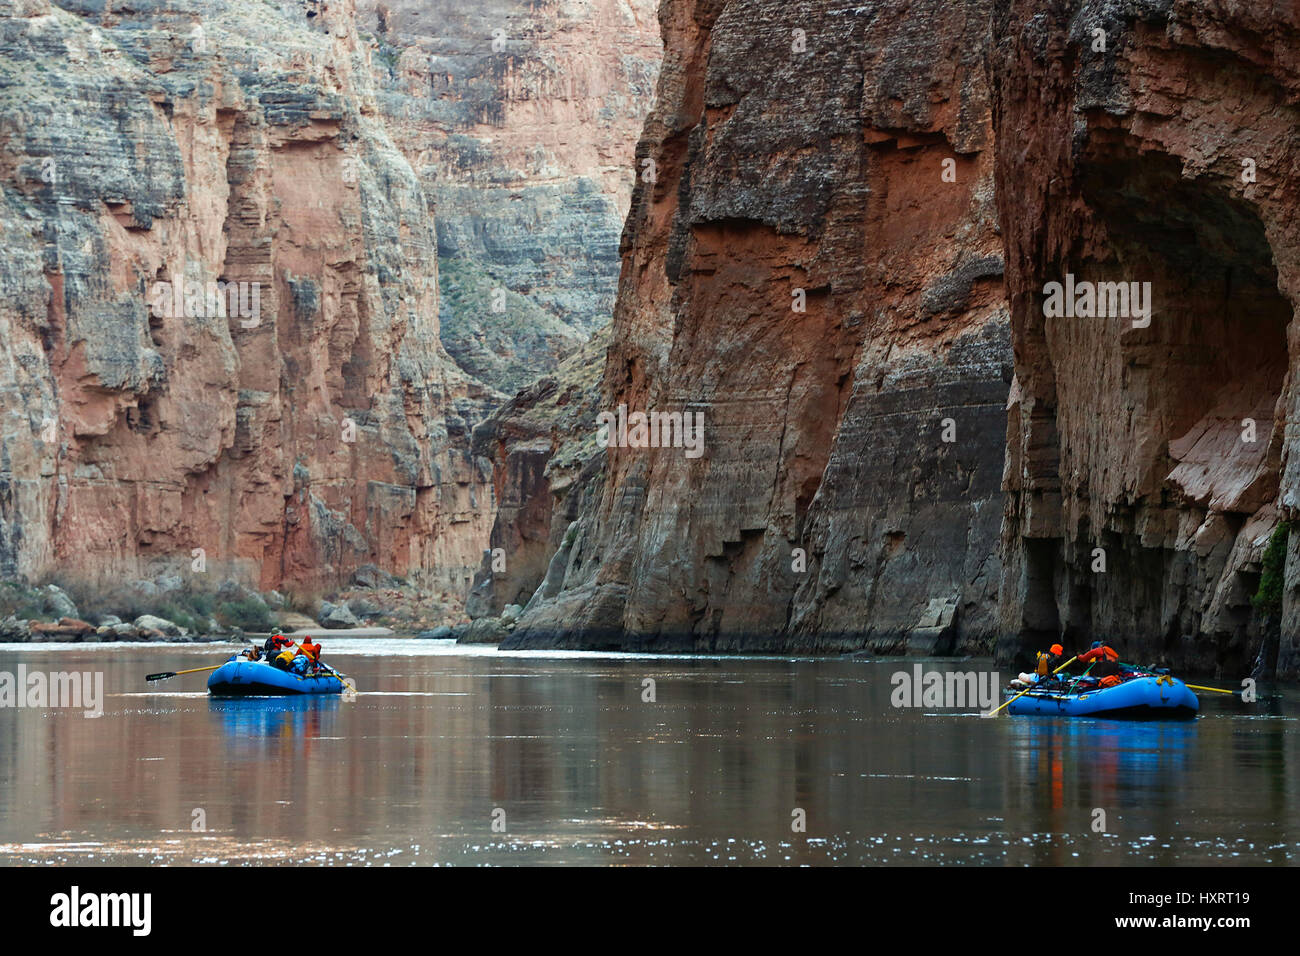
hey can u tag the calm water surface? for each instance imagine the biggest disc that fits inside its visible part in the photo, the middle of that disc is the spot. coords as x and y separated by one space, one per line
560 747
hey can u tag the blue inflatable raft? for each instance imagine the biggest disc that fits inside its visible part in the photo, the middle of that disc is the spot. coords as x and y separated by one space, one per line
1142 698
243 678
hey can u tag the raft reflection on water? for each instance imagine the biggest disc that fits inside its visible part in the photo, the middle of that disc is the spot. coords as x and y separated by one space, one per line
257 722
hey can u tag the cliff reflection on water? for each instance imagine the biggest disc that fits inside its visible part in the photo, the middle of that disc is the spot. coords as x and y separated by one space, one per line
585 771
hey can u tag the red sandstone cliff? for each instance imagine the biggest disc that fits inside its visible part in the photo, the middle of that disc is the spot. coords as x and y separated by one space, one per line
1147 465
323 157
800 152
548 468
150 144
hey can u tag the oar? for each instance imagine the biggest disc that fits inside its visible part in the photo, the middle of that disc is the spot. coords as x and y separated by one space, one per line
1151 673
1028 689
194 670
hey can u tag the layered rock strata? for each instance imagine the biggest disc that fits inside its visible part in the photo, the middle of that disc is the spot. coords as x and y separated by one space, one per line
815 268
288 414
548 467
520 120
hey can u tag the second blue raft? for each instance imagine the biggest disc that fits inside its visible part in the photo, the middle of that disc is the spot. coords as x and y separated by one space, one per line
1142 698
243 678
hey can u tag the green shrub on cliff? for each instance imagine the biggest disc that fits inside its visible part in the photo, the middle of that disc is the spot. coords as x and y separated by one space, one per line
1268 597
187 613
248 615
22 602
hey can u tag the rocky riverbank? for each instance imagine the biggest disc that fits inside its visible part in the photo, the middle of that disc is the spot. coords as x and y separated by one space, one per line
172 608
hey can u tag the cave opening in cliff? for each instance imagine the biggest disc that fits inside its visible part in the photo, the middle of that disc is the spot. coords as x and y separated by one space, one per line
1166 426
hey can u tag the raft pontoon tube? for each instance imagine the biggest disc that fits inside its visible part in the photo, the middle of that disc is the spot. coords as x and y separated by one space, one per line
244 678
1142 698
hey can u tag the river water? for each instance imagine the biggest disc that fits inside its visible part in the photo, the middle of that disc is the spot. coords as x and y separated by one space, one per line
465 755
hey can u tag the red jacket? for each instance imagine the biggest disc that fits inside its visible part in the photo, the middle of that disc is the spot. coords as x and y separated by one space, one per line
1099 653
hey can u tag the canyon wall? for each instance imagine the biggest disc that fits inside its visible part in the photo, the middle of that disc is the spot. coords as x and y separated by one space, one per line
1150 463
1148 476
311 423
361 173
520 119
814 267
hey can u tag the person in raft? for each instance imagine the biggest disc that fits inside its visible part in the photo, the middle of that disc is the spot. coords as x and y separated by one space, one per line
276 643
1104 662
310 657
303 661
1046 662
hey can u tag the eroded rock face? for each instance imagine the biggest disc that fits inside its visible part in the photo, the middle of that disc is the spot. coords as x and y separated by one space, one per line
520 120
800 155
314 427
1148 465
547 469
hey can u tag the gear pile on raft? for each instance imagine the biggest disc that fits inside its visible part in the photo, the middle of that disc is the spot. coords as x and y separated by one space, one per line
1097 684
